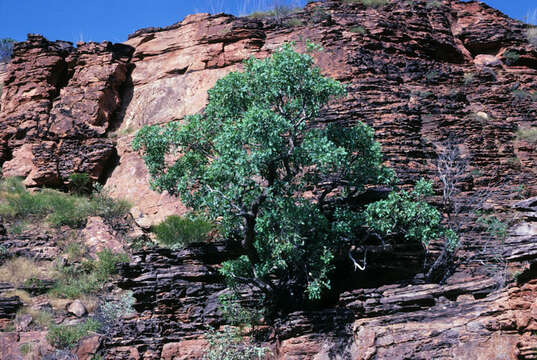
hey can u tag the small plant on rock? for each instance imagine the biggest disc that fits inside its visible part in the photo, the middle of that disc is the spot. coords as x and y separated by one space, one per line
527 135
111 312
228 344
369 3
80 183
176 231
66 336
88 277
511 57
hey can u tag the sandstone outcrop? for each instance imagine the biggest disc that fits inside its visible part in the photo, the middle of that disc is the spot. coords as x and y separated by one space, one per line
419 72
58 102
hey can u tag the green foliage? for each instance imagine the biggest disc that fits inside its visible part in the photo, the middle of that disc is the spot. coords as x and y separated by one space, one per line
6 48
66 336
277 12
524 94
357 30
369 3
79 183
293 22
408 213
25 348
176 231
237 315
4 253
102 204
58 208
528 135
112 311
250 157
229 345
18 227
494 226
432 76
88 277
433 4
511 57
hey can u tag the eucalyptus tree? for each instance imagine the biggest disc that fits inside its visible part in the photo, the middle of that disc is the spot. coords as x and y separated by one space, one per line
260 163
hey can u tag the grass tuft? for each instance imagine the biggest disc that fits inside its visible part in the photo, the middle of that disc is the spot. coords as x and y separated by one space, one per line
87 277
528 135
66 336
18 270
176 231
56 207
368 3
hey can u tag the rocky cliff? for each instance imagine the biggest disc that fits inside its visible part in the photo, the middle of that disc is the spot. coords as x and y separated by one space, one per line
420 72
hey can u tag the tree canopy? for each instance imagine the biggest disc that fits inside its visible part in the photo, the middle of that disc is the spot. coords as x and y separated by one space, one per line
262 165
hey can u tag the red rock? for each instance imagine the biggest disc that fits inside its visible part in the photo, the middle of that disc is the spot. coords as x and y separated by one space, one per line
98 236
184 350
87 347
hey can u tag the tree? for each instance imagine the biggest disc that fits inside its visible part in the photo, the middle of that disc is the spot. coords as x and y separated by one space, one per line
292 190
6 48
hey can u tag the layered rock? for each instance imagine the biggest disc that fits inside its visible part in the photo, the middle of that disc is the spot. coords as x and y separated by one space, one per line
57 104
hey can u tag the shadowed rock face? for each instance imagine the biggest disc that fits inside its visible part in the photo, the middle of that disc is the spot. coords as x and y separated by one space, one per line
419 72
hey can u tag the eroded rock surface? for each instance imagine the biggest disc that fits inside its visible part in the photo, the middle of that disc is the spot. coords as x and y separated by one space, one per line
57 104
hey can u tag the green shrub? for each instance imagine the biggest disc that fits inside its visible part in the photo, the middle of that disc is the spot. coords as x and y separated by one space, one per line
88 277
432 4
66 336
408 213
80 183
524 94
57 207
528 135
251 160
494 226
357 30
293 23
176 231
25 349
229 345
237 315
105 206
369 3
277 12
4 253
112 311
511 57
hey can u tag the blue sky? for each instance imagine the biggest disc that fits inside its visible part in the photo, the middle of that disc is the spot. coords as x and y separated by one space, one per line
98 20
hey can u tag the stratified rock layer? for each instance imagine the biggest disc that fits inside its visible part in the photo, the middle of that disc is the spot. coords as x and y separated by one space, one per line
420 72
57 105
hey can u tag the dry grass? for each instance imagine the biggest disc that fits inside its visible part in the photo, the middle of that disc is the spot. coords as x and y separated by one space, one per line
531 35
17 270
57 303
39 317
90 302
26 298
527 135
369 3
